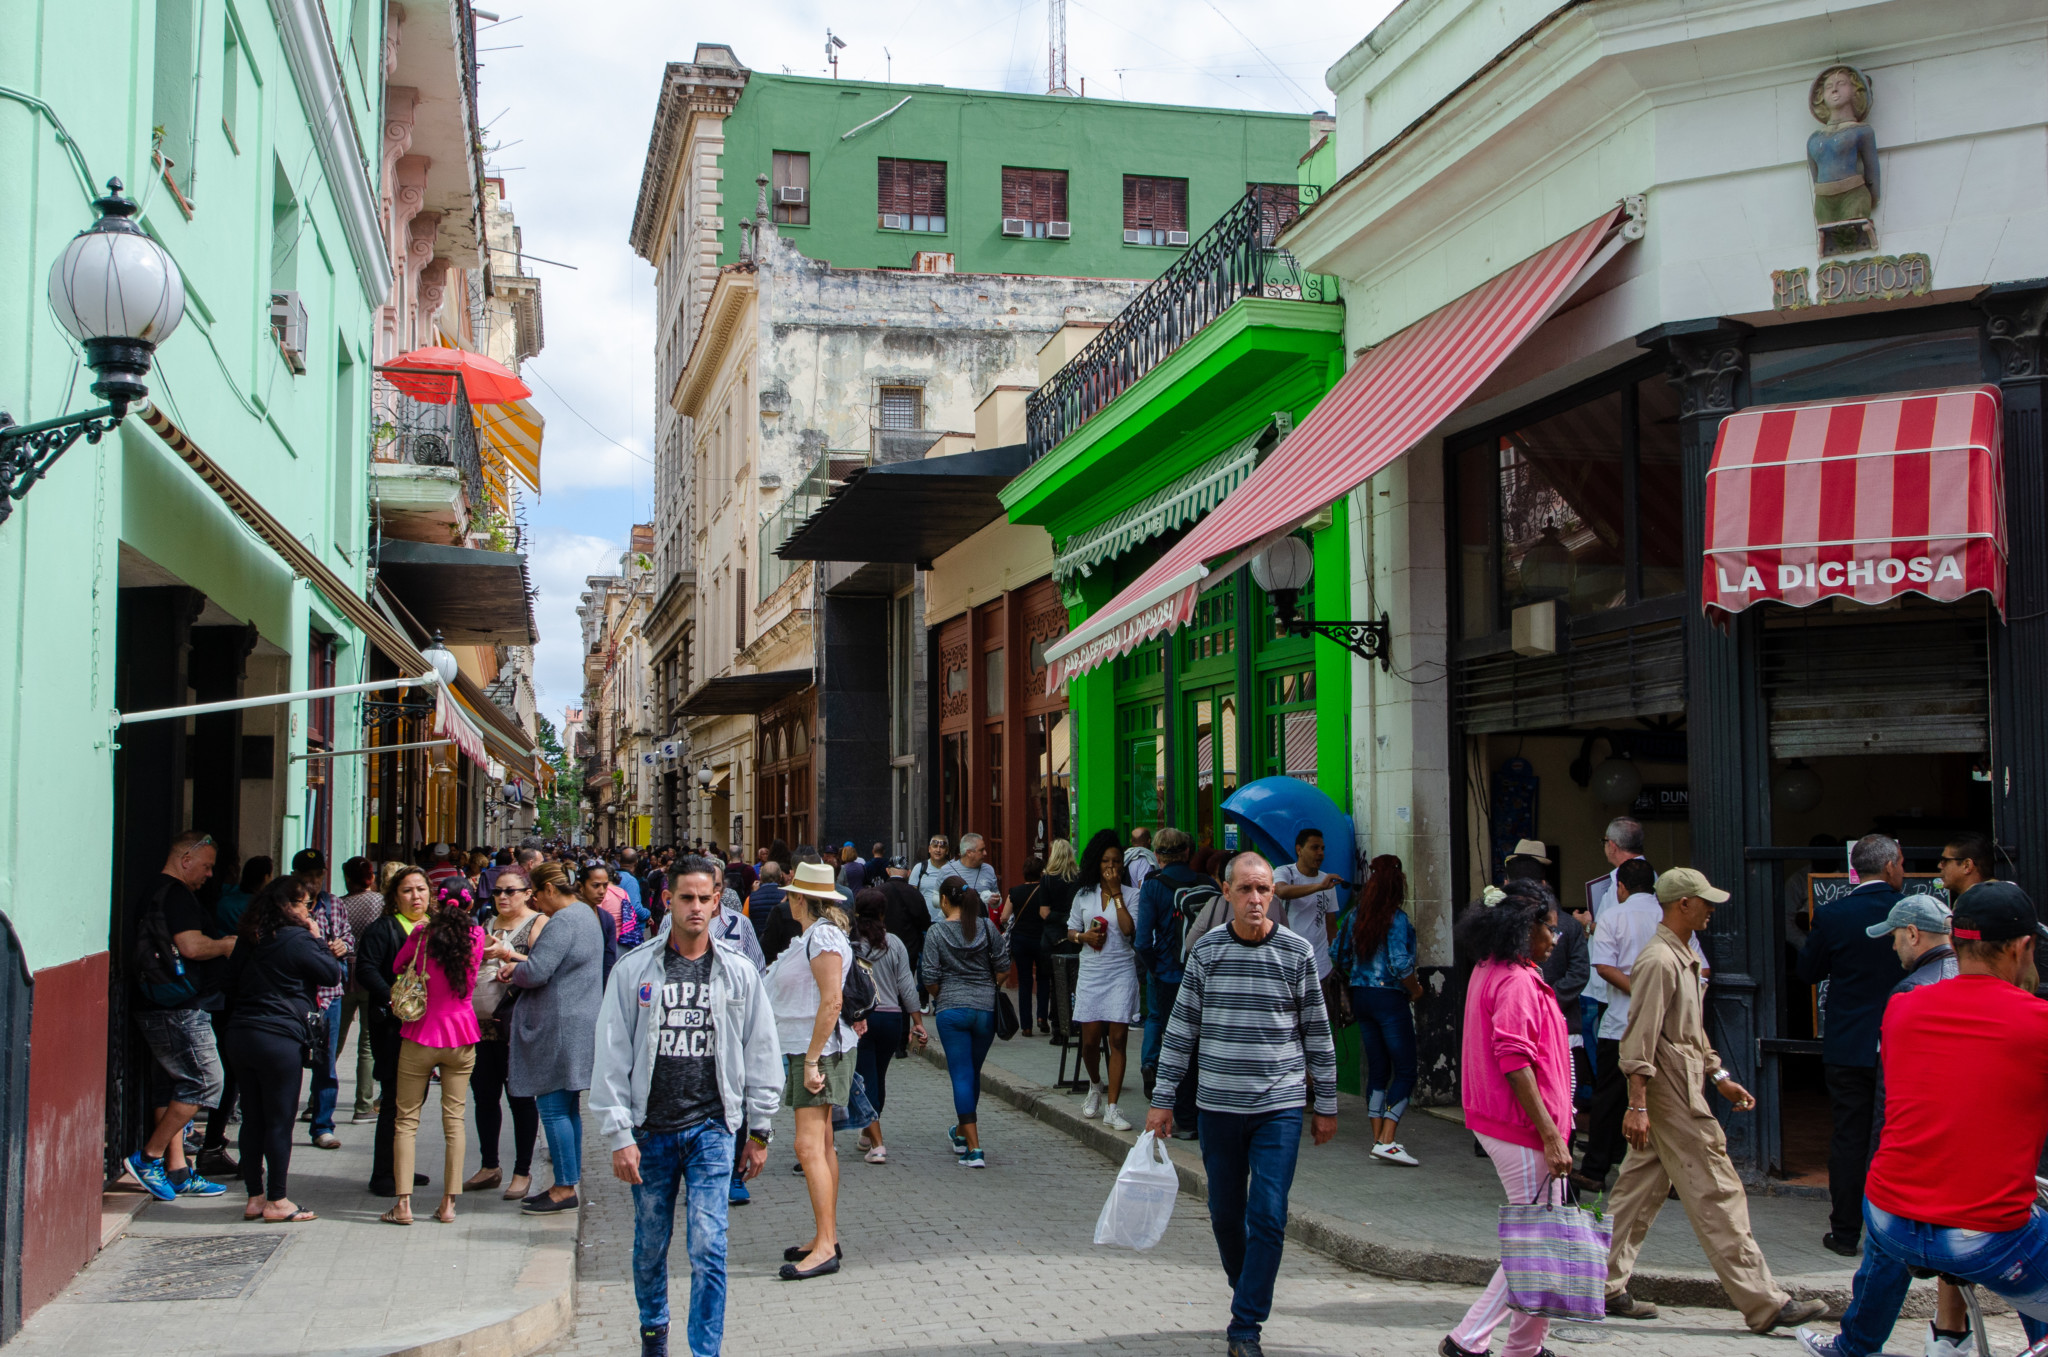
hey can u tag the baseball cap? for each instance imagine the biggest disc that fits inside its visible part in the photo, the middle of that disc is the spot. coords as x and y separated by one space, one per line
1924 912
1995 911
1679 882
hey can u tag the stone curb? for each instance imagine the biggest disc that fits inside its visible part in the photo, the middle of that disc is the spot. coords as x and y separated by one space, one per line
1347 1244
550 1270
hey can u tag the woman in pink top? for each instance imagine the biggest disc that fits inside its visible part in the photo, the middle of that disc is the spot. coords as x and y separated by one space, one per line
1516 1082
446 948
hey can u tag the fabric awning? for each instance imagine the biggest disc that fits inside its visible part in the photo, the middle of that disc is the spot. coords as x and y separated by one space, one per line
1397 393
908 512
746 694
471 597
1183 501
1864 499
513 431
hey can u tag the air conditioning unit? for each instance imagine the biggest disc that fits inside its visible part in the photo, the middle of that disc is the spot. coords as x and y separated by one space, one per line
1016 226
1059 230
1134 237
1176 237
789 195
895 221
288 323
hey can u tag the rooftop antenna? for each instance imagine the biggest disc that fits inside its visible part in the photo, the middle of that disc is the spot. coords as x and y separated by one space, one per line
1056 47
888 67
832 46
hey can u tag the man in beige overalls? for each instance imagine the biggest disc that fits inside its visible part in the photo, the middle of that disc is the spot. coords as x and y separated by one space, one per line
1674 1141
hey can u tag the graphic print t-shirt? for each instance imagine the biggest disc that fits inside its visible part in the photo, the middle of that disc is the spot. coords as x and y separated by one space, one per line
685 1087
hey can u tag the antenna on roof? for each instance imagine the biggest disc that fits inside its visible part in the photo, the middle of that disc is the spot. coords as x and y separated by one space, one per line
832 46
1056 47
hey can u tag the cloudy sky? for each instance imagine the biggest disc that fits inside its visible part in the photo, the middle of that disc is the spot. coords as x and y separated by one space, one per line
568 92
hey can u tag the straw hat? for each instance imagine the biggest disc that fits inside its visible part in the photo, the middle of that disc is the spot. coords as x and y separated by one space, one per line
814 878
1533 849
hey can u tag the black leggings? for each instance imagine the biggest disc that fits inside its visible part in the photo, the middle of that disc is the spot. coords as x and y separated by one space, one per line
878 1046
486 1084
270 1069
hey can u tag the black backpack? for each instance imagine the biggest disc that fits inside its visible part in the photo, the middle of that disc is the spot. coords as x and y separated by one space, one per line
1199 908
857 995
160 972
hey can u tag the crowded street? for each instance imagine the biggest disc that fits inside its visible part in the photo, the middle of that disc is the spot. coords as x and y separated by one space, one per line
1023 676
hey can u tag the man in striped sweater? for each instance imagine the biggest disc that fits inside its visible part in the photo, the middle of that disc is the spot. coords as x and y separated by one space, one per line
1250 1028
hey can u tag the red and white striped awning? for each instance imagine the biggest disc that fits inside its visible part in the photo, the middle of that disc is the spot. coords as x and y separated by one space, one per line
1865 499
1380 409
451 724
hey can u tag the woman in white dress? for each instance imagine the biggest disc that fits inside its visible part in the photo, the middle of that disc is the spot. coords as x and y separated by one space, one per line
1103 921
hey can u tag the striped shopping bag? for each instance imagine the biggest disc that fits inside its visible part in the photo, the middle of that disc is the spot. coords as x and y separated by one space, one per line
1555 1258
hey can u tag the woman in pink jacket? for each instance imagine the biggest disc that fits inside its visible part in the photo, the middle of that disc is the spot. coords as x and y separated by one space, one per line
445 948
1517 1083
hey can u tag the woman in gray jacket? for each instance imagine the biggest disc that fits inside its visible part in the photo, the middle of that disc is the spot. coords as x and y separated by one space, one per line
554 1025
963 960
895 1017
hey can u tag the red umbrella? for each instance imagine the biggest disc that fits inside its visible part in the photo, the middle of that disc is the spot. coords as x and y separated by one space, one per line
427 375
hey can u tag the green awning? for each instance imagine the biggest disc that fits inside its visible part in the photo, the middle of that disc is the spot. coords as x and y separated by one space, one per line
1181 502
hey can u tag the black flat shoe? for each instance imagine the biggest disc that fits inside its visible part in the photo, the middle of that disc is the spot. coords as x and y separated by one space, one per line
792 1273
543 1204
796 1253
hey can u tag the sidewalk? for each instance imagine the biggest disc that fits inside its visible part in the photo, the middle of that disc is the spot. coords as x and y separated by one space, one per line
1436 1222
188 1278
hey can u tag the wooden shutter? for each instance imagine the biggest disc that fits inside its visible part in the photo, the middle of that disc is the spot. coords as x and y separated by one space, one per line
1137 201
892 186
1035 195
908 187
1155 204
1279 205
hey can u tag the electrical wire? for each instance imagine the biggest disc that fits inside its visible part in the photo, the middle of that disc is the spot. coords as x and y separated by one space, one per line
526 370
64 138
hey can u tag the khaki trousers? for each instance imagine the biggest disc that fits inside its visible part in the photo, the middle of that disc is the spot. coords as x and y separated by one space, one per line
415 1063
1688 1151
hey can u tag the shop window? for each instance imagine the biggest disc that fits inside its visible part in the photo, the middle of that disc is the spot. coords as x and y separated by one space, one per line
992 674
1290 744
953 786
1212 634
1143 665
1140 763
1049 784
992 774
1660 490
910 195
791 191
1033 200
1867 367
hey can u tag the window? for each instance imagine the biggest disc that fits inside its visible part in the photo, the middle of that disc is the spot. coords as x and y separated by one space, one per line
284 232
230 87
1279 205
902 407
792 188
739 610
346 451
910 195
1034 201
1155 211
1291 725
171 94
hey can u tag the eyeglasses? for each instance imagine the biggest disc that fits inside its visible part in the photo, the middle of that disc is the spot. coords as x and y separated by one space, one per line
1945 860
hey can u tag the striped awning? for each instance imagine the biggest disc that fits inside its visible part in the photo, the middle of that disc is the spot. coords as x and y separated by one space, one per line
1183 501
1864 499
452 723
513 432
1397 393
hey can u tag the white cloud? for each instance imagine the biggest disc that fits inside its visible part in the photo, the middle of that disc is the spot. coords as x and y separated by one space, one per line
559 562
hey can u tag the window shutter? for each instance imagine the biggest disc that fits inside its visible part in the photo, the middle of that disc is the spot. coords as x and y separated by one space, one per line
891 193
1056 195
1175 209
739 609
1134 200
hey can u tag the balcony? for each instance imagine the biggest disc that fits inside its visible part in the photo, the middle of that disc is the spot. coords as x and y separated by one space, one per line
428 476
1233 259
806 498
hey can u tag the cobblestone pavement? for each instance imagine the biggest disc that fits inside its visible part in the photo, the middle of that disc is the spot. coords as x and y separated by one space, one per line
944 1260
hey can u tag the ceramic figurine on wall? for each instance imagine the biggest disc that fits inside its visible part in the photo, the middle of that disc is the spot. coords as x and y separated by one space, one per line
1842 157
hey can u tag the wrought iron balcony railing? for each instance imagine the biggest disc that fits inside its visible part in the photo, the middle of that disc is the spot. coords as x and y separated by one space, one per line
420 433
1233 259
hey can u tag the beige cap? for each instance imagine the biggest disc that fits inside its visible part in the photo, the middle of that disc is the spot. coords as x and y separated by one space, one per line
1680 882
1533 849
814 878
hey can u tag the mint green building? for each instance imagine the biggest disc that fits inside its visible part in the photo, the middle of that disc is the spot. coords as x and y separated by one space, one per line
249 135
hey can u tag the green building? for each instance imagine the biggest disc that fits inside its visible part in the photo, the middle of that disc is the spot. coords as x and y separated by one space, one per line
176 561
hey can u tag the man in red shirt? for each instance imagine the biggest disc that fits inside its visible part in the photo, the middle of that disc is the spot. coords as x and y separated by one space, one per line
1963 1066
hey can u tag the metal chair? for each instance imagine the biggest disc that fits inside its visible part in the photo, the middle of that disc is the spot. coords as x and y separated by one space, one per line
1066 976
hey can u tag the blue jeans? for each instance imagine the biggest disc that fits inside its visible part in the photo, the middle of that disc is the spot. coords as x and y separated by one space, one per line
1250 1159
1591 1011
966 1034
562 1121
1386 1028
2014 1264
697 1159
325 1085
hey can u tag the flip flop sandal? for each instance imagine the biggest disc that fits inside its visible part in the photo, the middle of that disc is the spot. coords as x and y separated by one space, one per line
294 1218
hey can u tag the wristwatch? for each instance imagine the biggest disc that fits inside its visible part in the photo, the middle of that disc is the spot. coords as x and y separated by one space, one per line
764 1136
1719 1076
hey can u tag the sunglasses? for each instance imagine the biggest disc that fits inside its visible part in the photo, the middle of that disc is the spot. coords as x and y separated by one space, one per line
509 890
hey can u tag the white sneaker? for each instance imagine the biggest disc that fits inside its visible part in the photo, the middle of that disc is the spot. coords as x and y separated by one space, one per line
1115 1119
1091 1106
1392 1153
1948 1347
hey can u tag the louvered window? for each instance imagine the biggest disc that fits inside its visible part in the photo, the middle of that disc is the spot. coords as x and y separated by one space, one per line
1033 200
1155 210
910 195
792 188
1279 205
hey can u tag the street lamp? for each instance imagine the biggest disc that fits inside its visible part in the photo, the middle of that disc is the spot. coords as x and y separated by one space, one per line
441 658
119 294
704 779
1283 570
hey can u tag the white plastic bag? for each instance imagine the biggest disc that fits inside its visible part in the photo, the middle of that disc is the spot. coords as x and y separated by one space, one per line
1141 1203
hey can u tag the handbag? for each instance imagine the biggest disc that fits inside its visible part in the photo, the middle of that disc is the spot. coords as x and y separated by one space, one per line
1006 1012
409 989
1554 1257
